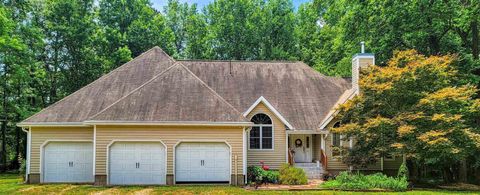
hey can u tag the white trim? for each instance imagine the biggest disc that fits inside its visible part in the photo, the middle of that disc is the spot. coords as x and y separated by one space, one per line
201 141
42 150
94 149
286 147
49 124
244 151
29 144
134 140
322 145
90 123
170 123
269 106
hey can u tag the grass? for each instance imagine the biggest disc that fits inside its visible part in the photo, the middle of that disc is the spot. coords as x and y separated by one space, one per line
12 184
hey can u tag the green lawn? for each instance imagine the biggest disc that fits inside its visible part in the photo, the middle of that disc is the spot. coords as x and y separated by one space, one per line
12 184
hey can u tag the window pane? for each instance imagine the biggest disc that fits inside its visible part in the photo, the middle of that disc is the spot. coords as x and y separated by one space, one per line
267 143
261 119
255 132
336 139
254 143
266 131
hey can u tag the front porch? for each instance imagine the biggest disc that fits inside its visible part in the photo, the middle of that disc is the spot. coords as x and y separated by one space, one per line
306 150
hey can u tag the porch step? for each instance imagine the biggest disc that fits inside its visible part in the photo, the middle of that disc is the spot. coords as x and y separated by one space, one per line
311 169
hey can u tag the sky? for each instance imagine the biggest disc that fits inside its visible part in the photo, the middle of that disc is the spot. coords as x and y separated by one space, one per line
158 4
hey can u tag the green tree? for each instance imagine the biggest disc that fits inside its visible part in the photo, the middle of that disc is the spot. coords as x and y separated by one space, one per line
234 29
276 34
414 106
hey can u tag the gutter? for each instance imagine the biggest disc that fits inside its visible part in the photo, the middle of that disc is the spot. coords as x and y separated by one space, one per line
135 123
27 160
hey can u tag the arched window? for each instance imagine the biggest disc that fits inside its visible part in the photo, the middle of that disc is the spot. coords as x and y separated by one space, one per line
261 135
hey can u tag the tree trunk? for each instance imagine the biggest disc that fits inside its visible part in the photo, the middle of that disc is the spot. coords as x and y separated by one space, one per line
463 171
414 171
475 41
4 148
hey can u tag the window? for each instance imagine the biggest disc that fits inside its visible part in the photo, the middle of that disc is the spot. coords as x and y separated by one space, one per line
261 135
336 142
389 157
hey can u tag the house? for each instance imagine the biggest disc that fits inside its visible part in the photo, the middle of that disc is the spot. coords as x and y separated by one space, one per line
156 120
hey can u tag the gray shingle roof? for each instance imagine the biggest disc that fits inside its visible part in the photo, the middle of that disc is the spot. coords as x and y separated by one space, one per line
104 91
300 94
173 95
152 88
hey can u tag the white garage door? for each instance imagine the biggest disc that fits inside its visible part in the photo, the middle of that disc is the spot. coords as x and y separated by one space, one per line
68 162
137 163
202 162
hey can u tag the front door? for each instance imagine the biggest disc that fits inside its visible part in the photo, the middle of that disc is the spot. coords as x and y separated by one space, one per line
302 147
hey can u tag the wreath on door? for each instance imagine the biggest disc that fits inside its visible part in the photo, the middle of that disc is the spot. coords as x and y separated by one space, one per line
298 143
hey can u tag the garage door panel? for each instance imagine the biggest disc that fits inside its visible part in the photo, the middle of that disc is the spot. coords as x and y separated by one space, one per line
134 163
68 162
202 162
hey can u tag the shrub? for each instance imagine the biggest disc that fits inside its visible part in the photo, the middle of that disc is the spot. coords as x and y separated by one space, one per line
403 172
292 175
258 175
349 181
271 176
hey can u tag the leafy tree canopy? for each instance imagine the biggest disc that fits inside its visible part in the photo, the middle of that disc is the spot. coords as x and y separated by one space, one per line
416 106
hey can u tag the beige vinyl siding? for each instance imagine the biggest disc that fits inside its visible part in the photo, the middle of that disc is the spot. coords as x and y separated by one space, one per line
41 134
365 62
273 158
334 163
169 136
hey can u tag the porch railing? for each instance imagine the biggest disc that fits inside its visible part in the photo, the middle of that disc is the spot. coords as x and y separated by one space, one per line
324 159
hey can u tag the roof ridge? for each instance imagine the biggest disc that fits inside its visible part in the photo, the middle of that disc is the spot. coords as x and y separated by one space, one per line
133 91
206 60
95 81
159 48
211 90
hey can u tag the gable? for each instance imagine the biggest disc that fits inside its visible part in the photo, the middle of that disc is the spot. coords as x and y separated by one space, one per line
262 102
104 91
175 95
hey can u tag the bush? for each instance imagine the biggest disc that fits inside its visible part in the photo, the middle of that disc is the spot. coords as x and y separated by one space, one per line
403 172
349 181
292 175
258 175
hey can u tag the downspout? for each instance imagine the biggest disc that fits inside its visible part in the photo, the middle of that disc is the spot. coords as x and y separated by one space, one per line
27 166
244 160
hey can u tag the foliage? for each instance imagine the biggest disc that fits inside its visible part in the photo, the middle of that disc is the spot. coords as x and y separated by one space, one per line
351 181
256 174
415 106
403 172
51 48
291 175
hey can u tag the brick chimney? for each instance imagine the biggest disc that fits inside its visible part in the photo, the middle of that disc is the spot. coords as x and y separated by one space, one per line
359 61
